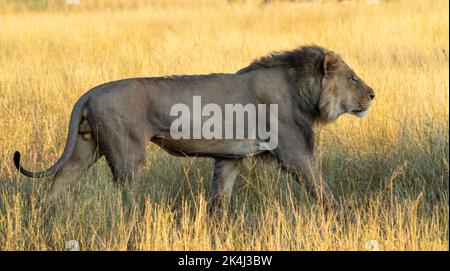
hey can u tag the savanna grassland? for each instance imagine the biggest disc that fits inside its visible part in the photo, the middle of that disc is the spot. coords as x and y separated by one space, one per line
389 170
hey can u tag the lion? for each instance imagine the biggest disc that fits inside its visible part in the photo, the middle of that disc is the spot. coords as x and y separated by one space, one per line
309 84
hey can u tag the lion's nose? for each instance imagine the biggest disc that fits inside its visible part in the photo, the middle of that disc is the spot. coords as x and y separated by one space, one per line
371 93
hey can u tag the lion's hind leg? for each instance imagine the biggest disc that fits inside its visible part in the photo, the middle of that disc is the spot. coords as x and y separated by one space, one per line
84 156
125 153
225 173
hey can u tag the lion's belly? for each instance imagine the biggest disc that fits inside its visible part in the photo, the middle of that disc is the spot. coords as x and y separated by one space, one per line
225 148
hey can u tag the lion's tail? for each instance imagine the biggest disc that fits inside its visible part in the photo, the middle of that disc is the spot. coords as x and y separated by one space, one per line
75 119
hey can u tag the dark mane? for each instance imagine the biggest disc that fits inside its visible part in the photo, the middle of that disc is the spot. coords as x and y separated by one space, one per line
305 58
303 68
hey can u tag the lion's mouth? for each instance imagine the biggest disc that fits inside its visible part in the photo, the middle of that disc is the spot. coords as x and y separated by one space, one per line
360 113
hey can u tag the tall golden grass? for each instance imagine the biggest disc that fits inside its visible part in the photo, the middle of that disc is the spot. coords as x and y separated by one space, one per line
390 170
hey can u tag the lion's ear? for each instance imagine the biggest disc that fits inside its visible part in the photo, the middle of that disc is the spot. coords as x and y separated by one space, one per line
329 63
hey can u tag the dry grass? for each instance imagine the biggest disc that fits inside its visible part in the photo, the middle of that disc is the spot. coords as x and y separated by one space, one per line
390 169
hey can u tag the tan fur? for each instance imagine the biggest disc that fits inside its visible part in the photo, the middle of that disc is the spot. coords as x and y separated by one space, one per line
116 119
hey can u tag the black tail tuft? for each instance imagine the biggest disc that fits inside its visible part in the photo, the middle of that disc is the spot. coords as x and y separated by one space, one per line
17 159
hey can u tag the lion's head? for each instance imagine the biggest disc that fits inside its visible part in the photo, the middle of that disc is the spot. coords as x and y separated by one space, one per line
342 90
326 87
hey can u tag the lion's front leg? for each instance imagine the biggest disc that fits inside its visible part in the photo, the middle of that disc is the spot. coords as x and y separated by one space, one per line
225 173
296 157
315 183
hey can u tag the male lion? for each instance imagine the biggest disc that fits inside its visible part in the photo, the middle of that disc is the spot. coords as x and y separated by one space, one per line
309 84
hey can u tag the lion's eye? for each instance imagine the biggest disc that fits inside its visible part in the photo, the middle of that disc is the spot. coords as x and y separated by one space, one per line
354 79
